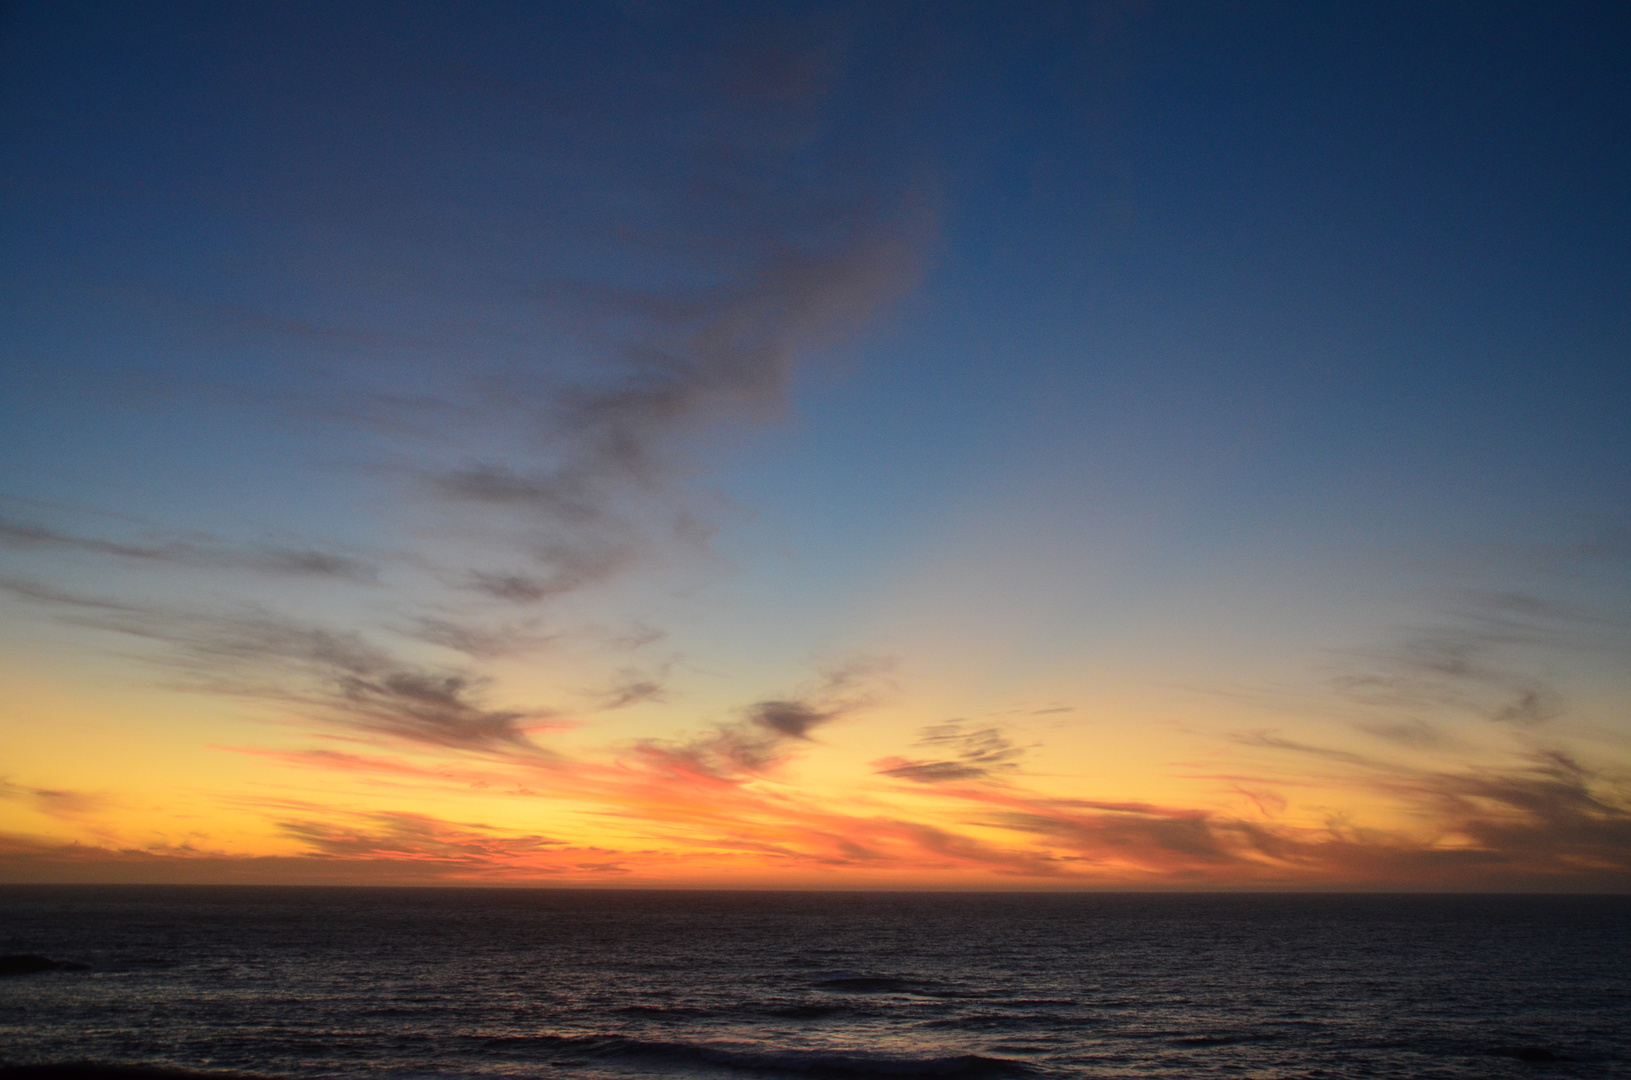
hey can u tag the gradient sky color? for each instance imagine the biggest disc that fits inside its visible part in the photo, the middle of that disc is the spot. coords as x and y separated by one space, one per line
1093 445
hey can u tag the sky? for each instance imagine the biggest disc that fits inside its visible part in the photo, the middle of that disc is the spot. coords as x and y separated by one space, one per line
1101 445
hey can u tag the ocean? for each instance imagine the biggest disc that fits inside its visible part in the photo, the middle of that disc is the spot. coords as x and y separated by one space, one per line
420 983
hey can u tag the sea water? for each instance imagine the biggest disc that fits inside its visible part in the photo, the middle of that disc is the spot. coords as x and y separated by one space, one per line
626 984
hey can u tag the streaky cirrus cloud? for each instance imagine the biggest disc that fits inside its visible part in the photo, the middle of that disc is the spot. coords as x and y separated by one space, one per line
768 731
331 676
192 552
976 753
523 414
1550 822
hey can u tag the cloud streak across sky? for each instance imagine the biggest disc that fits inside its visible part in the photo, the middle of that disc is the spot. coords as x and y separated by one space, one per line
816 445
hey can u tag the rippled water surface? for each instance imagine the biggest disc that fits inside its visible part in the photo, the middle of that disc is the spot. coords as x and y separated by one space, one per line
418 983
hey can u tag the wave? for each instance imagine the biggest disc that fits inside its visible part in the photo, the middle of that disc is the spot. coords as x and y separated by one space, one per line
868 985
1225 1040
805 1011
851 982
92 1070
818 1065
812 1063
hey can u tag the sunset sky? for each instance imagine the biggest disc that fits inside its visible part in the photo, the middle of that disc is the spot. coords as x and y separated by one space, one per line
1094 445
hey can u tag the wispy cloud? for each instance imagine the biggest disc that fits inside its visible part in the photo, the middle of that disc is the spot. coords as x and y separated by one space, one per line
63 803
525 414
633 687
976 753
767 731
1486 661
419 837
1544 821
1482 659
382 847
477 641
331 676
194 552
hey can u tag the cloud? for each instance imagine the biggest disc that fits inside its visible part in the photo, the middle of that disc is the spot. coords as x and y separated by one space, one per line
976 754
763 738
794 719
419 837
679 361
518 587
729 753
62 803
1554 814
193 552
557 496
1271 740
331 676
1520 829
1413 731
1484 659
633 687
337 847
476 642
1543 821
726 229
1490 656
437 709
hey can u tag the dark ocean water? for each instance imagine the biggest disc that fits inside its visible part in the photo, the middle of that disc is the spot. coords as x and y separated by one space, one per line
432 983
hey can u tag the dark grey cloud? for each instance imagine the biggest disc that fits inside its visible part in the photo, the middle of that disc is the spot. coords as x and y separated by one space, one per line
935 772
1193 836
567 496
1503 656
435 709
477 641
54 802
678 363
1412 731
1545 814
718 223
1554 811
767 730
633 687
1547 821
338 677
557 568
516 587
746 237
794 719
417 835
193 552
1493 655
1487 658
974 754
1272 741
